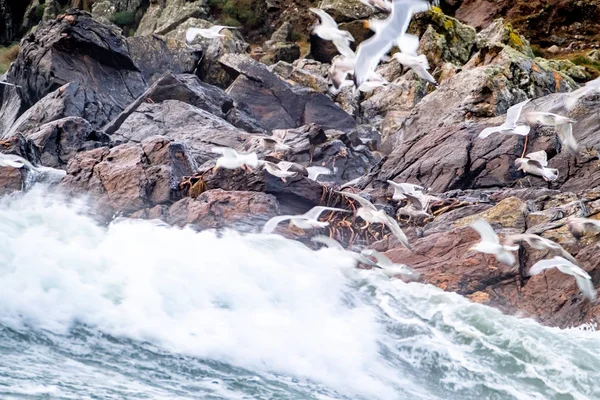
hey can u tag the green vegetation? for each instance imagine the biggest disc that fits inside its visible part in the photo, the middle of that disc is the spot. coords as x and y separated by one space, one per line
537 52
588 63
123 18
39 11
247 13
7 55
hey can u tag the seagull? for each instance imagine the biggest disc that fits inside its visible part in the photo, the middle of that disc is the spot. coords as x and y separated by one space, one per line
416 207
491 245
387 33
379 5
418 64
547 118
579 226
565 135
328 30
400 189
314 172
339 70
231 159
369 86
510 124
208 33
308 220
334 244
574 96
388 267
538 243
370 214
536 164
280 170
583 279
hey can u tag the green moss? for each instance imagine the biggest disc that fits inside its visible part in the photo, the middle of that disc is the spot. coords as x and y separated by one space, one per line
436 10
515 40
448 24
123 18
250 13
228 21
7 55
296 36
586 61
537 52
39 11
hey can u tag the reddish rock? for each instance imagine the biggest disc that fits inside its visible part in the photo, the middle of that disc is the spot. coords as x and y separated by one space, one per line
11 180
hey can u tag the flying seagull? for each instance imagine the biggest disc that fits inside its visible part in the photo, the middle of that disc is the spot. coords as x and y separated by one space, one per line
574 96
334 244
328 30
388 267
207 33
583 279
316 171
546 118
372 50
490 244
418 64
537 164
308 220
417 207
538 243
510 124
370 214
400 189
231 159
379 5
280 170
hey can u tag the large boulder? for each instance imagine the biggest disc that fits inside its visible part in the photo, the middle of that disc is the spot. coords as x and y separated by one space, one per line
164 16
75 48
276 104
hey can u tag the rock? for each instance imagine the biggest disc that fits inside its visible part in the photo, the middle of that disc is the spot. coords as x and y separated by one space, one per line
501 33
294 75
594 55
509 213
217 208
553 49
55 143
129 177
276 104
163 18
280 47
75 48
11 180
153 56
346 10
6 25
104 11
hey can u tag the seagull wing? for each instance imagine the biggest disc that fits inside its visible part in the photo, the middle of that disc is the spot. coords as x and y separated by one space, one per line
363 202
540 156
488 131
424 74
485 230
382 259
417 202
314 172
396 231
565 134
587 287
408 44
226 151
543 265
343 47
513 113
191 34
315 212
271 224
326 19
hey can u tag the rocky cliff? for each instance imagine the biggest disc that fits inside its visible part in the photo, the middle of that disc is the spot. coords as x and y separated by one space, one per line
131 114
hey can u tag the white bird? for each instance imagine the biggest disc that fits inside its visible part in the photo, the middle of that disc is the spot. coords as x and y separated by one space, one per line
334 244
308 220
490 244
339 70
369 86
510 124
567 140
328 30
546 118
536 164
315 172
574 96
370 214
400 189
538 243
580 226
231 159
371 51
207 33
418 64
417 207
379 5
280 170
583 279
388 267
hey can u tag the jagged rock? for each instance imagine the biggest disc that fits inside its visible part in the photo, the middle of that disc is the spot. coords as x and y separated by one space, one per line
75 48
277 105
346 10
129 177
500 33
189 89
55 143
508 213
11 180
105 10
300 76
164 16
217 208
153 56
102 11
566 67
280 47
71 100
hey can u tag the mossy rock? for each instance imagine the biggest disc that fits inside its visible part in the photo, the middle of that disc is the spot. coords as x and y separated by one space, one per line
249 13
501 33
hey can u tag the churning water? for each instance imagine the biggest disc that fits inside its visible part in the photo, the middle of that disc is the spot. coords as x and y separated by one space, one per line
140 311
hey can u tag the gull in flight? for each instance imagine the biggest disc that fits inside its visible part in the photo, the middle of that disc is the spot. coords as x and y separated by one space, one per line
280 170
563 126
370 214
574 96
379 5
372 50
418 64
538 243
334 244
400 189
510 124
339 70
583 279
536 164
417 207
231 159
580 226
328 30
490 244
388 267
207 33
308 220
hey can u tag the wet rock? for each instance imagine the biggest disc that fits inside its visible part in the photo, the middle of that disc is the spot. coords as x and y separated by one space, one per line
276 104
129 177
11 180
153 56
75 48
217 208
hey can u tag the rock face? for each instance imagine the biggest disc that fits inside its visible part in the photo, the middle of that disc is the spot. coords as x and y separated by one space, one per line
277 105
164 16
